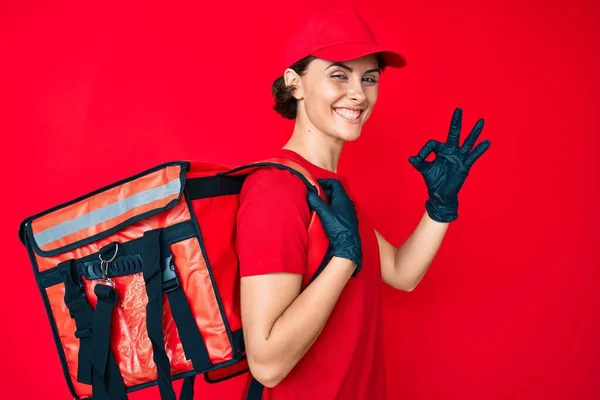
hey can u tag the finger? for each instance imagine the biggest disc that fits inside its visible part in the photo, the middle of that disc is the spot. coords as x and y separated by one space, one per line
420 165
330 187
430 146
323 210
326 187
316 203
472 138
340 199
336 196
455 126
328 183
477 152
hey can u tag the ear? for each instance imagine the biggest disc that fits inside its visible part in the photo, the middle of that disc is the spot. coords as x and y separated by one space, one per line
292 79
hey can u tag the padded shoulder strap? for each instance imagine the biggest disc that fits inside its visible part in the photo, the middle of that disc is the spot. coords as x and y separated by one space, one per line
280 163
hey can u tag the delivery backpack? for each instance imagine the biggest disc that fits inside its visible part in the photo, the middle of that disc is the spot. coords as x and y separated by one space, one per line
140 279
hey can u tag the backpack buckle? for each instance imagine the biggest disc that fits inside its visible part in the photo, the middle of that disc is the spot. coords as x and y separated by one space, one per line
104 268
170 281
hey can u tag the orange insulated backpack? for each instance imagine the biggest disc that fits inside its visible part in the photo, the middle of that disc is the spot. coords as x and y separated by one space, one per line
140 279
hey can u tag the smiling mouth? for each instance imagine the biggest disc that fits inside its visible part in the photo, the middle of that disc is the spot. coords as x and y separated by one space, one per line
350 115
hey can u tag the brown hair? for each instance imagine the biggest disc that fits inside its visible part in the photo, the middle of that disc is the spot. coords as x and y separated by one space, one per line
285 103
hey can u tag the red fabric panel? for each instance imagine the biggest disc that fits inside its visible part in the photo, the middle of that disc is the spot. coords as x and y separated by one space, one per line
217 219
226 372
197 286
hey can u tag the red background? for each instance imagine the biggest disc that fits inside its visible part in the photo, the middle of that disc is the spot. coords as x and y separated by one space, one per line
509 307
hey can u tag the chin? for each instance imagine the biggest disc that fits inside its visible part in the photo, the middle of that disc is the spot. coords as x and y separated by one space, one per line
346 131
346 136
352 137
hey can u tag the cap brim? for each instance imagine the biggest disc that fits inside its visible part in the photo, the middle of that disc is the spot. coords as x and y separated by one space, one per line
350 51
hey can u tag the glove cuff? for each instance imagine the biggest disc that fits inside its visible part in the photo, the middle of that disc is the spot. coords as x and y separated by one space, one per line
358 267
441 212
350 247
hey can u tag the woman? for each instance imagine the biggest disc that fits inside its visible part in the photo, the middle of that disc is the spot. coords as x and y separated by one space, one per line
325 342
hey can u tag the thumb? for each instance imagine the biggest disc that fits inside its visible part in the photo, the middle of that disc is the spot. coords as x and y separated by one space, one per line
417 162
316 203
330 186
319 206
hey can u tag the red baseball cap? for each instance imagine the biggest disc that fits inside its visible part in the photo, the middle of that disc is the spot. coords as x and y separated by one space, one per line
337 35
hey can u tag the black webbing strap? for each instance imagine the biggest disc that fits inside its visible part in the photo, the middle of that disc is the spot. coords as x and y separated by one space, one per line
97 365
187 389
160 276
255 391
153 278
191 339
83 314
212 186
103 376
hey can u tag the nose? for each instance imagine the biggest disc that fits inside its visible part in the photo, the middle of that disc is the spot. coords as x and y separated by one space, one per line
356 91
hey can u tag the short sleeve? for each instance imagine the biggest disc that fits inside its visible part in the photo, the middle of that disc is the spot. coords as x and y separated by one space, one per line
272 223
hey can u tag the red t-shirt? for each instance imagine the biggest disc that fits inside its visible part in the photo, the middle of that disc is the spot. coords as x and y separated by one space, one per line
346 361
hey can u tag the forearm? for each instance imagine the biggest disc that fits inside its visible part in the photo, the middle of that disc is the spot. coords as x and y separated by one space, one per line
414 256
294 332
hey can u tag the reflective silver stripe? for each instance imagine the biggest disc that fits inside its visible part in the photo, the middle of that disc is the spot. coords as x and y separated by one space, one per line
106 213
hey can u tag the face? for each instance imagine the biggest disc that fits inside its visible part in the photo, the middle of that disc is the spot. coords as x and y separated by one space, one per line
336 99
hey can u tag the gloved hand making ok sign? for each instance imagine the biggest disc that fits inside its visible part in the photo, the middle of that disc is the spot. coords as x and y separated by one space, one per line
339 221
445 175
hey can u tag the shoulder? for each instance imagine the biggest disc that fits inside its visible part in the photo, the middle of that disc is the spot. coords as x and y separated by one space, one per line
274 184
271 196
272 223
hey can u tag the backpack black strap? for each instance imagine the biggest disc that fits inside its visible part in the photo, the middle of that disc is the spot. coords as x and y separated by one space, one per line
187 389
255 391
160 276
191 339
97 365
107 299
153 279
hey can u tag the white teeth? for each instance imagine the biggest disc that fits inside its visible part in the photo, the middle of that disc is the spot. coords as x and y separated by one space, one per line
348 114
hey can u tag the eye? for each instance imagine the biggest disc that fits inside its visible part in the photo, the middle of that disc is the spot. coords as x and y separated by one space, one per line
340 75
367 79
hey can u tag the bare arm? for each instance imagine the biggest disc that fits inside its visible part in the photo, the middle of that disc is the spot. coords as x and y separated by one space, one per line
404 267
280 323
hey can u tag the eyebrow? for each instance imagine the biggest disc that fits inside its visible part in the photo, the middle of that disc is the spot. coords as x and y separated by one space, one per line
337 64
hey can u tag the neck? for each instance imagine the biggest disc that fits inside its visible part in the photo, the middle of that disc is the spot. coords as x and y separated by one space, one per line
315 147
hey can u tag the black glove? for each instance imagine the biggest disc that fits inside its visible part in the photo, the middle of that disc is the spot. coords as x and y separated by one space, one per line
339 221
445 175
